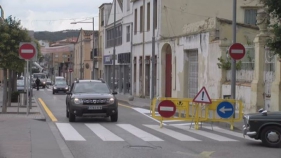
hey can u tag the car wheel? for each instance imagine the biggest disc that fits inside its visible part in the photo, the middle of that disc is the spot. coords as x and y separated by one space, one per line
271 136
44 87
67 113
71 116
114 117
53 92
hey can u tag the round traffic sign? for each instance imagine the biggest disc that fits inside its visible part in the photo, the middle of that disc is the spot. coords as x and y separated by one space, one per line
225 109
166 108
27 51
237 51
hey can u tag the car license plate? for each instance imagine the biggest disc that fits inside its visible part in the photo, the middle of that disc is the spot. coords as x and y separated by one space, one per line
95 107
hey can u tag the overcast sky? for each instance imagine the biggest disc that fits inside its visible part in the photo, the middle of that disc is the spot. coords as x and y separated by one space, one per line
53 15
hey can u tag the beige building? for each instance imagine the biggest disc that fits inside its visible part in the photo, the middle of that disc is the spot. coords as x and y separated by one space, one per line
83 59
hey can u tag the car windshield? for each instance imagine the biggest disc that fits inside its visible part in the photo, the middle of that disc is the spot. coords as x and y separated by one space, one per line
20 82
60 82
42 76
91 87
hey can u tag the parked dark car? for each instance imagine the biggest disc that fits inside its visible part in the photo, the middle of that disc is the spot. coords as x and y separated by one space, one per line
91 98
60 86
264 126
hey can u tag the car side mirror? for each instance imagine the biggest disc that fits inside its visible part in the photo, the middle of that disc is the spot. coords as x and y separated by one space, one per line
264 113
114 93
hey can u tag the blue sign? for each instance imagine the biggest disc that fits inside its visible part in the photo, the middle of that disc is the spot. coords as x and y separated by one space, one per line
225 109
107 59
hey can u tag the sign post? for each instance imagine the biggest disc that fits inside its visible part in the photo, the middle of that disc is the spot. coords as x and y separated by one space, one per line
201 97
27 51
225 109
237 51
166 108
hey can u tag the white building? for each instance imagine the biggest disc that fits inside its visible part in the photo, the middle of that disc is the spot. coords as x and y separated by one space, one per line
123 47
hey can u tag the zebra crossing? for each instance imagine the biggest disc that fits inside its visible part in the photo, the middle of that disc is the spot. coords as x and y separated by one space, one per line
146 132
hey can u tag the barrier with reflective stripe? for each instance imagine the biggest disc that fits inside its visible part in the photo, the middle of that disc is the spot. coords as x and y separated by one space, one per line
184 109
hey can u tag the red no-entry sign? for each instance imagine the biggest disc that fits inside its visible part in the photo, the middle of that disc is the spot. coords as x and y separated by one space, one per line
27 50
166 108
237 51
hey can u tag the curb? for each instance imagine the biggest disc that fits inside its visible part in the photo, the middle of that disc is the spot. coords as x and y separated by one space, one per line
40 110
220 124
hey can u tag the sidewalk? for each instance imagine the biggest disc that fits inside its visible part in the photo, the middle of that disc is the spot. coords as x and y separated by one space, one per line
145 103
27 136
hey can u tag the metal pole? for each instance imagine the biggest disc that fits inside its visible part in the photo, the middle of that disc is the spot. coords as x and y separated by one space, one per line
153 52
114 44
27 89
233 61
30 93
143 57
25 85
81 56
93 54
132 64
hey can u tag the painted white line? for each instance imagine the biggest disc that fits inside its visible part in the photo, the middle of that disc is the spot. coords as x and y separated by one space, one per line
171 133
141 110
232 133
69 133
149 116
206 134
26 51
237 51
103 133
167 121
139 133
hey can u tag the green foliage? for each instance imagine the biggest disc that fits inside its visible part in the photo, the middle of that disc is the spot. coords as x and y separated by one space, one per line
274 9
225 64
11 34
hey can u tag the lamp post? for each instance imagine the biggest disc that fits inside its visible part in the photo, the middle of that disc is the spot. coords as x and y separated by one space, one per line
93 55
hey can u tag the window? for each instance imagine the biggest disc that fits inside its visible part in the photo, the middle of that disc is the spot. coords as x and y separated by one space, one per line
148 16
141 19
136 21
250 16
110 36
155 10
128 35
128 5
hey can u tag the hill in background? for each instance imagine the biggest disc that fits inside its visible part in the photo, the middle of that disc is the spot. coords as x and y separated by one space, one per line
55 36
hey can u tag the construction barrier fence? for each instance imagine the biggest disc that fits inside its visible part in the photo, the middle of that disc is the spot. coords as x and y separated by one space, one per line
187 110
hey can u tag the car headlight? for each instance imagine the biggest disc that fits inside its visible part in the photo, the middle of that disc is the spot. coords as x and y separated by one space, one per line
66 87
77 101
110 101
55 87
44 82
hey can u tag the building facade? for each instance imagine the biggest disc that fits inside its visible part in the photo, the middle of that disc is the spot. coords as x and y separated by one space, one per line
83 56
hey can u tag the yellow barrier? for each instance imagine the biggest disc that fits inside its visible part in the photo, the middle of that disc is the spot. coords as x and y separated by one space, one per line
187 110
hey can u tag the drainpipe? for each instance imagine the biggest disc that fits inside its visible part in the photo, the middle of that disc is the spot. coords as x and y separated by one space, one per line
143 57
132 60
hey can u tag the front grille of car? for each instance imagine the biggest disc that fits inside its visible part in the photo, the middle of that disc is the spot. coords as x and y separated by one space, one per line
94 101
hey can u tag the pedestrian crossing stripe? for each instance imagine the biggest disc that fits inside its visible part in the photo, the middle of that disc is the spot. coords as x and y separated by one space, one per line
69 133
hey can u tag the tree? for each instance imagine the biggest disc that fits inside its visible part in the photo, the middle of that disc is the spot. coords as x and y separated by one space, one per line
274 9
11 34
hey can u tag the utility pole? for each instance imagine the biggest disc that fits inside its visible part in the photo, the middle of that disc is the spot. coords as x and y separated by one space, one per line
93 53
114 44
153 51
81 55
233 61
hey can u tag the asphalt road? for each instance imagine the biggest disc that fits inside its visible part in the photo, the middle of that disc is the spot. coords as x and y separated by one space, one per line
136 135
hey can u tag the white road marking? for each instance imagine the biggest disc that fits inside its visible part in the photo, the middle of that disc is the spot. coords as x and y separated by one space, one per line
26 51
69 133
141 110
205 134
139 133
232 133
103 133
171 133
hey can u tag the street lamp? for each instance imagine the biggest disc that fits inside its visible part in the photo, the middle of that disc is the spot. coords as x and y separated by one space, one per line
93 73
